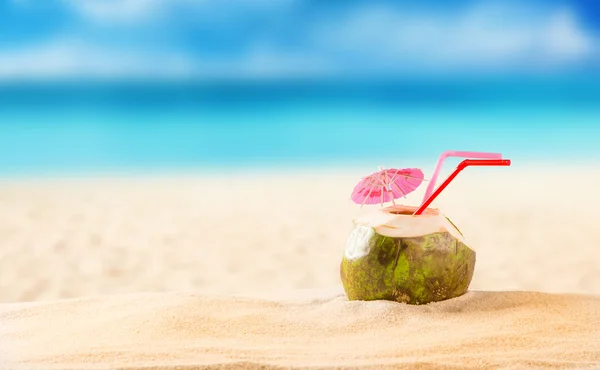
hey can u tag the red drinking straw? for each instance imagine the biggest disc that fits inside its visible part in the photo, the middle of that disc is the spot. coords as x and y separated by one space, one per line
462 165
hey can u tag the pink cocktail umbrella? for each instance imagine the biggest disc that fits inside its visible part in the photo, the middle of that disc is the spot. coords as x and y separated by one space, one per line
387 185
454 153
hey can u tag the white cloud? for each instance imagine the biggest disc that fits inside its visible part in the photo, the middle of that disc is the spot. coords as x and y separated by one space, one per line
564 37
67 58
117 10
483 37
111 11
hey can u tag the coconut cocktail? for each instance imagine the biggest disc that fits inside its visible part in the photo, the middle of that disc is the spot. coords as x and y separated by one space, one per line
413 255
393 255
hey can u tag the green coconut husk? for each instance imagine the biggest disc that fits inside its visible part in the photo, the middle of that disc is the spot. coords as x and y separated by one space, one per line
392 255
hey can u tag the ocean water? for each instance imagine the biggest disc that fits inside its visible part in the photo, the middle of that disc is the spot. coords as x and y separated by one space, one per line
88 127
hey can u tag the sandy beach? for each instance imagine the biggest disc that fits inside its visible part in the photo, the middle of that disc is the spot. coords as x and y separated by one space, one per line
186 272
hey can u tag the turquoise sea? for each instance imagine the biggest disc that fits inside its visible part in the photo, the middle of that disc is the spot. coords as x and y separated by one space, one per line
76 127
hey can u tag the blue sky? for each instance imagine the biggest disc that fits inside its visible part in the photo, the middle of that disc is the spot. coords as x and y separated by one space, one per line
273 38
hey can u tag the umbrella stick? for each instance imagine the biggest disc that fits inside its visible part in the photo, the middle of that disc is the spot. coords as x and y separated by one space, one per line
388 186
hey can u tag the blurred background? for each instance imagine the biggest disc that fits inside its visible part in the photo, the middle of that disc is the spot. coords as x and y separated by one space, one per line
91 87
124 85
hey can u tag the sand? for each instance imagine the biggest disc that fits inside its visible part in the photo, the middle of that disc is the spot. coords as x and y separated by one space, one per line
200 271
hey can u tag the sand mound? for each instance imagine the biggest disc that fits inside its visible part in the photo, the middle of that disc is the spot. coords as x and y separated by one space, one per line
186 331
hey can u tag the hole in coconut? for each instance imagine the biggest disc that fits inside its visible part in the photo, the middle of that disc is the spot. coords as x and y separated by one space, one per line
401 212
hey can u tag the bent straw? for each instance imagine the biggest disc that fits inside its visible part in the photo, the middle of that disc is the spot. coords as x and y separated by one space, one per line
455 153
464 164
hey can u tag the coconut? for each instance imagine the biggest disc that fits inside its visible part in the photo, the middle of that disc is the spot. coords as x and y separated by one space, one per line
393 255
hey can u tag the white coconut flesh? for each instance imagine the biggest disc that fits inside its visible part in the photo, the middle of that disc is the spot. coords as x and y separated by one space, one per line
396 222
